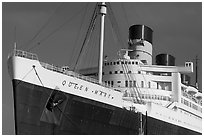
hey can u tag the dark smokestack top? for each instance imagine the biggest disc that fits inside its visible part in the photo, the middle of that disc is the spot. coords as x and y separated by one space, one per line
165 60
140 32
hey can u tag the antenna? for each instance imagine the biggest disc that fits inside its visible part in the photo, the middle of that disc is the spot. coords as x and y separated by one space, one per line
196 78
15 44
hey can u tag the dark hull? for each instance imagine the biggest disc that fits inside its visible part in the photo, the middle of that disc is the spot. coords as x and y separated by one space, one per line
36 114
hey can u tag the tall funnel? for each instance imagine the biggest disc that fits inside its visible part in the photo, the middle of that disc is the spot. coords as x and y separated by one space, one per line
140 42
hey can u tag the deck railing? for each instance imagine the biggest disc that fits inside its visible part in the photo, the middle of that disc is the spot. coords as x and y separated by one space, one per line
32 56
24 54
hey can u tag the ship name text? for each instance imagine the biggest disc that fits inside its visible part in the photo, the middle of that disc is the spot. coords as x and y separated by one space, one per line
81 87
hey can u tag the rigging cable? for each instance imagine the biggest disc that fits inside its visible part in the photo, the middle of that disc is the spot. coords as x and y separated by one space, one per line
57 29
90 29
115 25
137 97
80 28
43 26
125 13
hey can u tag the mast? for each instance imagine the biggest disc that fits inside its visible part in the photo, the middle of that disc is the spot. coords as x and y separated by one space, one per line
103 13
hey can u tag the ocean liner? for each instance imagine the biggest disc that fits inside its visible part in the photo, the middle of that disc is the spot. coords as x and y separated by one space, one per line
130 95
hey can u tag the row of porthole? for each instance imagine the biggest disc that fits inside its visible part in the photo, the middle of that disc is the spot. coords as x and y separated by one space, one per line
127 83
122 72
121 62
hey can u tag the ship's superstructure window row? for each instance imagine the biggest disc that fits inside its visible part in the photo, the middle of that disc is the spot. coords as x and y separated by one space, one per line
142 84
150 97
137 72
121 63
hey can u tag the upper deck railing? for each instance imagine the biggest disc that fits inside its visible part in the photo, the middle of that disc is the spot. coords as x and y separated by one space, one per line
23 54
32 56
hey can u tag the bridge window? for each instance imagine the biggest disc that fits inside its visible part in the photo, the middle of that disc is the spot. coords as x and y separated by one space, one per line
136 63
110 72
116 72
126 83
142 84
118 63
133 63
121 72
111 83
114 63
130 82
134 83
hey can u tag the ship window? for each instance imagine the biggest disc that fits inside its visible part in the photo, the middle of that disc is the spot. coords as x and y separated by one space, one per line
122 62
164 97
129 62
139 72
116 72
134 83
108 82
126 83
111 83
129 71
133 62
149 84
110 63
181 100
186 102
118 62
105 64
121 71
157 85
190 104
136 63
110 72
142 84
118 81
102 73
114 63
125 62
130 82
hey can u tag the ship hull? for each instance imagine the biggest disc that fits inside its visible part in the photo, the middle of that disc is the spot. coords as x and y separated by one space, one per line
77 115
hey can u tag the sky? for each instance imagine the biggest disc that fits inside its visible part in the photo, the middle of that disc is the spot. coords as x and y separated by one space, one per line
55 32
